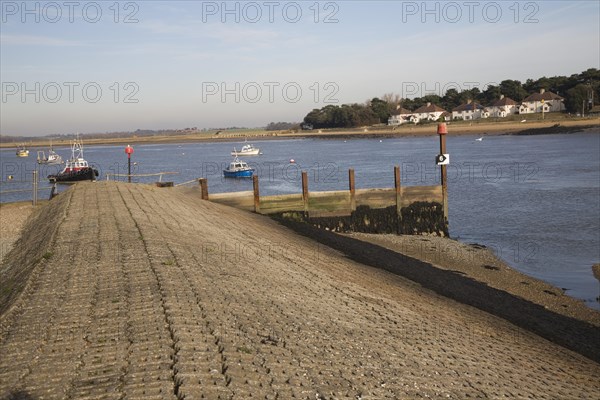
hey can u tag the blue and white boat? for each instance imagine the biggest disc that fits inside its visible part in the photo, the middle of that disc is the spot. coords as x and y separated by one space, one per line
238 169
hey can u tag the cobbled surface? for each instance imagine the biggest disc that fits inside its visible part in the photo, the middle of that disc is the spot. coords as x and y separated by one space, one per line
150 294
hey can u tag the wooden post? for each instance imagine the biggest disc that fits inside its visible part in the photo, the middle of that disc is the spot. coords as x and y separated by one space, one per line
397 185
305 190
52 191
35 187
256 194
352 189
203 182
442 131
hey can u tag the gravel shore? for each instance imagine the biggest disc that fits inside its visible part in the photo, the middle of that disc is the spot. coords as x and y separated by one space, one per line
140 292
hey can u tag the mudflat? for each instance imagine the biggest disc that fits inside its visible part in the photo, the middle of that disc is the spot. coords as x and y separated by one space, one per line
141 292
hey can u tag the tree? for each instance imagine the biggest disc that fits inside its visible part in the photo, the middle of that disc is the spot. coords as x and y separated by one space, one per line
281 126
491 94
381 109
577 98
450 100
513 89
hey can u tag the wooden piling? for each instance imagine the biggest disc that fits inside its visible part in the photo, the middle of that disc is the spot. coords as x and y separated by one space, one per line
305 190
53 192
442 131
35 187
352 188
203 182
256 194
398 187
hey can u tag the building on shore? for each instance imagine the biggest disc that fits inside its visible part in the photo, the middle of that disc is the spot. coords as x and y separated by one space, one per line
503 107
542 102
429 112
469 111
399 116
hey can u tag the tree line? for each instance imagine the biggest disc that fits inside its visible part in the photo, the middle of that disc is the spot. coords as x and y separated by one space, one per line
578 91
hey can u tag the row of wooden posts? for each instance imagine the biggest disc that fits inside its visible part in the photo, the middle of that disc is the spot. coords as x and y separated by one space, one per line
334 202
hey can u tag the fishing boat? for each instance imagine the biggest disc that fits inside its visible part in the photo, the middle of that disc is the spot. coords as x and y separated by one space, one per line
52 159
238 169
22 151
247 150
76 168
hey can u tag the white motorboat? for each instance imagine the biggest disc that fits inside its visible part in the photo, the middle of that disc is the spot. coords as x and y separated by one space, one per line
247 150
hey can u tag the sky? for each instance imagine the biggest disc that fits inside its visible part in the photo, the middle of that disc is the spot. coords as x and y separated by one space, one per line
106 66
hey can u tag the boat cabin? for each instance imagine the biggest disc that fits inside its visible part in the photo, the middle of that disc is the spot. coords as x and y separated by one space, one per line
76 165
238 165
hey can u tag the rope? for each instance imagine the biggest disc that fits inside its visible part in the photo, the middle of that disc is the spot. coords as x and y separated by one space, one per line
188 182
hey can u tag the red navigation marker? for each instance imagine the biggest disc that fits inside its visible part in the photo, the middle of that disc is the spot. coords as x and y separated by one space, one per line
129 151
442 129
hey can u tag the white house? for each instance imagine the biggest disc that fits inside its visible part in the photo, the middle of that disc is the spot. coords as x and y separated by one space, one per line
542 102
503 107
470 111
429 112
399 116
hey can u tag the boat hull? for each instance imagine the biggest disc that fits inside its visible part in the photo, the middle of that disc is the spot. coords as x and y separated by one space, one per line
85 174
254 152
51 162
238 174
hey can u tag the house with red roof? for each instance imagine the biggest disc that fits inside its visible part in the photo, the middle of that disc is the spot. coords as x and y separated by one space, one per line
430 112
542 102
503 107
399 116
470 111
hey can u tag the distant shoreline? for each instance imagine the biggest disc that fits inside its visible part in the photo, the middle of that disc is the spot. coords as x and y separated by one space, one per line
562 126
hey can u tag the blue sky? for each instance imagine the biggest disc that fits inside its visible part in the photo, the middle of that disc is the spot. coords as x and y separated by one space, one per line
105 66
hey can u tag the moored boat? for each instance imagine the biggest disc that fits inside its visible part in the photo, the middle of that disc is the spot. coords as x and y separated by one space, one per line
247 150
238 169
76 168
52 159
22 151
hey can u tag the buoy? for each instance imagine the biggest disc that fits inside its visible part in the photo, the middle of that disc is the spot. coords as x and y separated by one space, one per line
292 161
10 177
